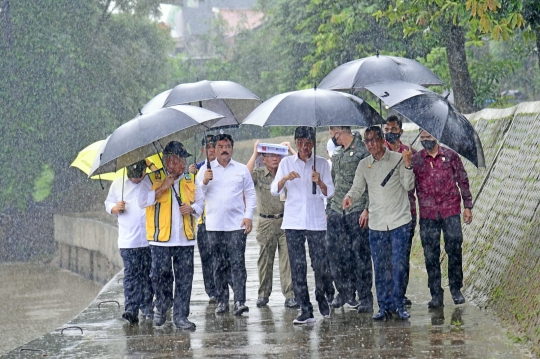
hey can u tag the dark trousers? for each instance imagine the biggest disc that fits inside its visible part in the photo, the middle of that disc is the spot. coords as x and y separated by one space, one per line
430 234
296 240
138 291
408 254
229 249
206 261
172 264
389 260
349 254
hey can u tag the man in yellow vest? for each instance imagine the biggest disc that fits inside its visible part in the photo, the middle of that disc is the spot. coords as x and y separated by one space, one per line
172 204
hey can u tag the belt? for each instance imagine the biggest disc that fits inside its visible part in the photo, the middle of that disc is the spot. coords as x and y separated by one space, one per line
274 216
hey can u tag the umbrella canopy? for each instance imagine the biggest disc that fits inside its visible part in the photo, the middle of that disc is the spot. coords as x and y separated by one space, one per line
229 99
86 158
314 108
140 137
357 74
433 113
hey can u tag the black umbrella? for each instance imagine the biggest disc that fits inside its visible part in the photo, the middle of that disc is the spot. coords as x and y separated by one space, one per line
433 113
313 108
357 74
140 137
229 99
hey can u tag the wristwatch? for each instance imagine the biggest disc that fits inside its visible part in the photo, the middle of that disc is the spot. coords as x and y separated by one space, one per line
408 168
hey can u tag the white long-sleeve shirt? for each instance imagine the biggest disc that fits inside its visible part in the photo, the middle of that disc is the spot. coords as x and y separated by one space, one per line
303 209
131 223
147 197
224 195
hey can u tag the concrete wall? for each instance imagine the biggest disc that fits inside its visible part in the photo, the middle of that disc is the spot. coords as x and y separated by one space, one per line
87 245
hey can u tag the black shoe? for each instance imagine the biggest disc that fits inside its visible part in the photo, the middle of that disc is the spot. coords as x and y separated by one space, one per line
222 308
407 302
184 323
262 302
291 303
352 303
458 297
365 307
338 301
159 319
304 318
436 302
130 317
212 300
239 308
403 314
382 315
324 309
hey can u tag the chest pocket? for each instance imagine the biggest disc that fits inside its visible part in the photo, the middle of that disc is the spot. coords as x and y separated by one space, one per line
347 165
265 184
238 181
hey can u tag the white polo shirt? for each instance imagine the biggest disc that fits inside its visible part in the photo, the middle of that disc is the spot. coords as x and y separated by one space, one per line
131 223
303 209
224 195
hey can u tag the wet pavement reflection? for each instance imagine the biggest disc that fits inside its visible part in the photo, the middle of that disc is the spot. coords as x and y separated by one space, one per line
452 332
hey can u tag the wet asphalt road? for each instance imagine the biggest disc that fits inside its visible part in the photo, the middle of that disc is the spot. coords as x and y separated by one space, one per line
455 332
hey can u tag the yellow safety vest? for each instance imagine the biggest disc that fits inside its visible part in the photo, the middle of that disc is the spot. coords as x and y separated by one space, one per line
158 216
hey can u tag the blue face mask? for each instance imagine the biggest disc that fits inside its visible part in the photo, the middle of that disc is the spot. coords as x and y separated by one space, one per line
391 137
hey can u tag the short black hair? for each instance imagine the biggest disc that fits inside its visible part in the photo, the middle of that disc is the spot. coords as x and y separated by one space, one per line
375 129
342 128
394 118
208 141
223 137
305 132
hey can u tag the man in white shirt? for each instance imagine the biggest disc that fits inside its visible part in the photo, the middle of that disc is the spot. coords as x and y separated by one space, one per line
230 201
305 218
122 202
171 201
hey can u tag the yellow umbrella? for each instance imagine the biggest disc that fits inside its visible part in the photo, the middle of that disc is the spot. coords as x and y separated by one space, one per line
85 158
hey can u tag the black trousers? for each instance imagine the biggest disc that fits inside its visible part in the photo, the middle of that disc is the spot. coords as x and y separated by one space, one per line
430 234
228 250
206 261
296 240
138 291
172 264
349 254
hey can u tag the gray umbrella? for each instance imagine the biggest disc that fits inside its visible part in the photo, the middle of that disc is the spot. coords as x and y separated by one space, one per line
147 134
229 99
433 113
314 108
356 75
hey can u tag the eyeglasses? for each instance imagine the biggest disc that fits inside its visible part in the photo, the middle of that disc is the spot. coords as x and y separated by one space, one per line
271 155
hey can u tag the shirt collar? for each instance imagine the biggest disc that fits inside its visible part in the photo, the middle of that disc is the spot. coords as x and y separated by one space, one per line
440 152
296 158
215 163
383 158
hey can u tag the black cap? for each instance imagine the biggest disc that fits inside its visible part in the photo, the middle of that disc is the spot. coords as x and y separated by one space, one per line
176 148
136 169
305 132
208 140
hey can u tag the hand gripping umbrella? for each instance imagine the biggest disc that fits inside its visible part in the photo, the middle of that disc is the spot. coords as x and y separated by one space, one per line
357 74
313 108
433 113
229 99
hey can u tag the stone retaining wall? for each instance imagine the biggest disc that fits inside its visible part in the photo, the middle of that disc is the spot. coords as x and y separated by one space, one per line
87 245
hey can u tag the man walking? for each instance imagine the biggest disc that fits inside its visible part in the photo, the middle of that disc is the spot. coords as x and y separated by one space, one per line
441 184
228 221
270 236
171 201
348 241
305 218
122 201
393 129
389 217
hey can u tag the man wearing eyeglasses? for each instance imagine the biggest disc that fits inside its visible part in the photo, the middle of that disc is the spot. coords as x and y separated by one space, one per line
230 203
172 202
305 218
270 236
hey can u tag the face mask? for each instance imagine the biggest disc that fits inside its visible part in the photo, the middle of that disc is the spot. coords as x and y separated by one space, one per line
428 145
334 141
391 137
